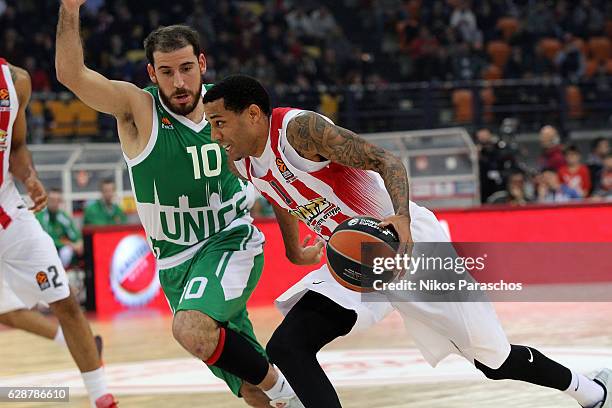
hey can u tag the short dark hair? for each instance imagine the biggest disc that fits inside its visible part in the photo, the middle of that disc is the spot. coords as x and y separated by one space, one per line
595 142
171 38
238 93
107 181
55 189
572 149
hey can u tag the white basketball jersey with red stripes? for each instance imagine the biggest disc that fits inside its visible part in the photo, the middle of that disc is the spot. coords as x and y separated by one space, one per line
322 194
10 199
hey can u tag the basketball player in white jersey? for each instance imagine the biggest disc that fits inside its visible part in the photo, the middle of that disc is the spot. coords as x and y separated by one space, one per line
310 169
30 269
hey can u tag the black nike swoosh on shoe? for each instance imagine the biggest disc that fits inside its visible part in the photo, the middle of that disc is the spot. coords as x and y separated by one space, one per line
316 283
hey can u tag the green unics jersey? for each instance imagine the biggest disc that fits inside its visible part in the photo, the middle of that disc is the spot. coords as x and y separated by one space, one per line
184 190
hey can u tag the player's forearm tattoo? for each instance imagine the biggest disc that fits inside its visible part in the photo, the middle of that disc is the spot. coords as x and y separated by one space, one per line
310 134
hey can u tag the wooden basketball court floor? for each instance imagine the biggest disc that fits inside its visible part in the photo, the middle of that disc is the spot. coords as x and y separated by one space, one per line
579 333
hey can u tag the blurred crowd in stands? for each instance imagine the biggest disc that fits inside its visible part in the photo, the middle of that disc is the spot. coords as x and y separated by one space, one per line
309 42
560 175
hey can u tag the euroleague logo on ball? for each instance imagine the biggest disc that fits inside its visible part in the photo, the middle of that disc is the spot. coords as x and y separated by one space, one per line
133 274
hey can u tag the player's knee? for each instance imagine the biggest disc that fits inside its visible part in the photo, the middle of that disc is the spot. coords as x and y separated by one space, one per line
196 332
253 396
490 373
280 350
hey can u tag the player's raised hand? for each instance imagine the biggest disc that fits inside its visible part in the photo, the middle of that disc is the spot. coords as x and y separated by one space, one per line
309 254
73 5
37 193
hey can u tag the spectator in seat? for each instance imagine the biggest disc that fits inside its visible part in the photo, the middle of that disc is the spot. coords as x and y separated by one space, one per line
551 190
515 193
570 62
600 148
104 211
603 188
60 226
575 174
552 150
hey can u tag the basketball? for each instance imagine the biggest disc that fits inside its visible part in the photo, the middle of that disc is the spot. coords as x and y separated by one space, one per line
351 251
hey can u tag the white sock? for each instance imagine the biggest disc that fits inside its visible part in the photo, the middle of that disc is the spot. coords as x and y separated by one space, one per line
281 389
584 390
95 383
59 337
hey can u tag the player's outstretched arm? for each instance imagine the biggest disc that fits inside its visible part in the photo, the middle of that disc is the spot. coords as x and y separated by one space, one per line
112 97
20 159
299 253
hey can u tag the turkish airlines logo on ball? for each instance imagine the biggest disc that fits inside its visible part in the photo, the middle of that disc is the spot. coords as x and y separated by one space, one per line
133 276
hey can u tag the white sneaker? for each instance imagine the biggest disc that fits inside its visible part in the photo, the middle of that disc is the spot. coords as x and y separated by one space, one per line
604 378
288 402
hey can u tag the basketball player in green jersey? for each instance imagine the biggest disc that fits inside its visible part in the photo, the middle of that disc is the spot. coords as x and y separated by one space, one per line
195 212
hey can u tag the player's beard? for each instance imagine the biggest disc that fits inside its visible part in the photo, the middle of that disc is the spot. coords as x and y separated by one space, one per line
183 110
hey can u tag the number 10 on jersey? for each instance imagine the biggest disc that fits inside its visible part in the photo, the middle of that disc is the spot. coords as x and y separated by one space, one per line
205 152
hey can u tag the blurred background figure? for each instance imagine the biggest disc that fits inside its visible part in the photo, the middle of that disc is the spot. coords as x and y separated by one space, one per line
600 149
517 191
574 174
603 187
551 155
61 227
495 163
552 190
105 211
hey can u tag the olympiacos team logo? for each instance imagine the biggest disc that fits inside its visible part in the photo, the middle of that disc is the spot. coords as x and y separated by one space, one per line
133 275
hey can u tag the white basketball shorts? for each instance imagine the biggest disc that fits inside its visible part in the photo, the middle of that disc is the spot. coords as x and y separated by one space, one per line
470 329
30 269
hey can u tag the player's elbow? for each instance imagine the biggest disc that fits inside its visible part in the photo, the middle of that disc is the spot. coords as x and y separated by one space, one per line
66 74
62 74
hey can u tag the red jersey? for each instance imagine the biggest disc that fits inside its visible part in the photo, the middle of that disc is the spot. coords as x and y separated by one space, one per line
579 180
321 194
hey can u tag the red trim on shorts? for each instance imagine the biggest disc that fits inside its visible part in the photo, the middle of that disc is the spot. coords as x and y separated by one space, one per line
219 350
5 220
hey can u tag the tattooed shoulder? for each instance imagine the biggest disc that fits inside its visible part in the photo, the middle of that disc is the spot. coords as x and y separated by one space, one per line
312 134
304 133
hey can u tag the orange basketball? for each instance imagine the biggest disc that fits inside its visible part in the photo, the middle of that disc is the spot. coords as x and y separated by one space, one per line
353 248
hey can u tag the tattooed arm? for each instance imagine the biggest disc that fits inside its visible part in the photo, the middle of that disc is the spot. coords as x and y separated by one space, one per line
312 135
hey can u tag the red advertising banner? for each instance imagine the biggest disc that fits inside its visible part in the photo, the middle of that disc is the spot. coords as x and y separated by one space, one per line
567 223
125 275
126 279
